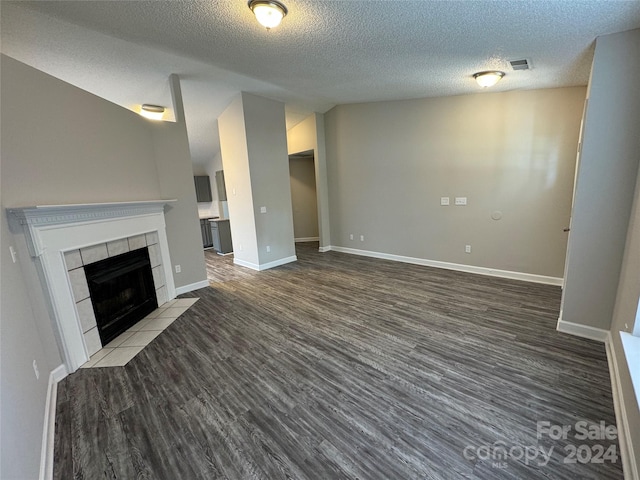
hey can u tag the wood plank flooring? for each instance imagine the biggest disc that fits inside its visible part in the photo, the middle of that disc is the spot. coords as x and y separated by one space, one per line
342 367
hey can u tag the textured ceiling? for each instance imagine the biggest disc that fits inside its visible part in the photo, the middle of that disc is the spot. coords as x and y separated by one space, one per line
324 53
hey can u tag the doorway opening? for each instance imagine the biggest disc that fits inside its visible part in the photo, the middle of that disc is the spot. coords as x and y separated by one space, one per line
304 197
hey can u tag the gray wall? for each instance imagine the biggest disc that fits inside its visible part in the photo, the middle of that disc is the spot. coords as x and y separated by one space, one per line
628 294
269 163
175 177
22 396
63 145
609 156
304 197
390 162
624 319
253 143
235 160
605 182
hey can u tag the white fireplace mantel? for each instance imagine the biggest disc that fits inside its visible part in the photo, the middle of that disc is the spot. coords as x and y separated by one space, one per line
52 230
44 216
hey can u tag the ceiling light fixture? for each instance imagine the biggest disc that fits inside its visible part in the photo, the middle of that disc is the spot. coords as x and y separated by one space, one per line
489 78
154 112
269 13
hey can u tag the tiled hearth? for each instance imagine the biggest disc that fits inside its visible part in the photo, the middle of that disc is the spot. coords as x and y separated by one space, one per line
77 259
124 348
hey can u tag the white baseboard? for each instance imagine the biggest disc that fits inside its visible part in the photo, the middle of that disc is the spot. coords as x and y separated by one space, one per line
49 428
493 272
277 263
629 462
265 266
244 263
324 249
583 331
191 287
307 239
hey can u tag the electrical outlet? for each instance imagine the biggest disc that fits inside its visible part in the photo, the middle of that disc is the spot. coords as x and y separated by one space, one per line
263 209
351 236
35 369
461 200
268 249
362 238
178 269
467 249
239 247
444 201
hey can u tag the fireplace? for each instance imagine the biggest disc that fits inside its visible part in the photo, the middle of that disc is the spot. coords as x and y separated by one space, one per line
66 240
122 292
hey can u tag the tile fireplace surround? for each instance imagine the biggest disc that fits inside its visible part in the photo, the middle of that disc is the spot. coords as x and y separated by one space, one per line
61 238
76 260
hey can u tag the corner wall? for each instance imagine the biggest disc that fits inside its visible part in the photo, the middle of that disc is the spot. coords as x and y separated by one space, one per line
623 126
235 161
253 144
269 164
605 183
602 285
175 178
510 154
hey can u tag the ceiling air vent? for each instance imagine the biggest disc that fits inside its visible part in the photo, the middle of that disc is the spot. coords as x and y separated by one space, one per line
520 64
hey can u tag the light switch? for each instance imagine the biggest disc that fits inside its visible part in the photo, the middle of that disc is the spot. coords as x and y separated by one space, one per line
444 200
461 200
263 209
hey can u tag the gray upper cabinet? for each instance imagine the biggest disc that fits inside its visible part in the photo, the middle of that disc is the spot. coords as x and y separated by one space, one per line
222 191
203 188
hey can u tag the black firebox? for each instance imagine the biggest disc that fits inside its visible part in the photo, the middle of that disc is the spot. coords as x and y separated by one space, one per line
122 292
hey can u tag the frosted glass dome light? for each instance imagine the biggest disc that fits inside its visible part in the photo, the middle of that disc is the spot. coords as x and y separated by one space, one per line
153 112
488 79
269 13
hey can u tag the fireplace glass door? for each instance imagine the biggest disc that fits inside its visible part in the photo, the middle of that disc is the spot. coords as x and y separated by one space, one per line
122 292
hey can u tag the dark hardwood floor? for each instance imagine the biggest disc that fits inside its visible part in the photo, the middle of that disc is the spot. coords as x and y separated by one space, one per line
340 366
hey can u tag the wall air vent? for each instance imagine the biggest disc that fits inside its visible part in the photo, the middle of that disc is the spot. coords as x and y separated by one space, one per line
520 64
